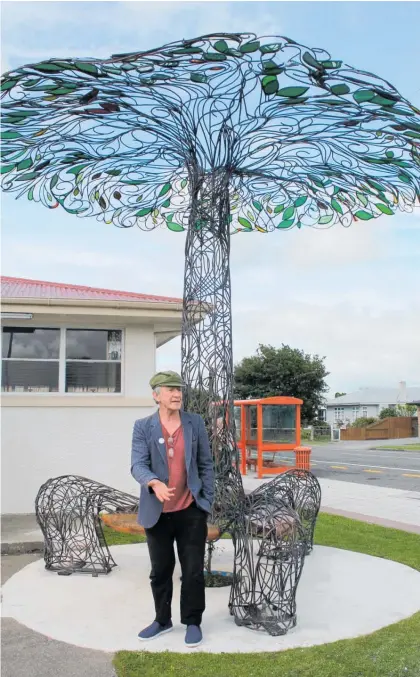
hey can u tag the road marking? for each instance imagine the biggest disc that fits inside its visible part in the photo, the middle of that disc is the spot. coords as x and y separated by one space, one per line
366 465
412 475
339 467
377 472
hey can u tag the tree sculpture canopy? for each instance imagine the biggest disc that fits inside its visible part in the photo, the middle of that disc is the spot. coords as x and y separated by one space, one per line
297 138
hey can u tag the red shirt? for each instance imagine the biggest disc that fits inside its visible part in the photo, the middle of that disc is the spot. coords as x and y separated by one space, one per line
175 453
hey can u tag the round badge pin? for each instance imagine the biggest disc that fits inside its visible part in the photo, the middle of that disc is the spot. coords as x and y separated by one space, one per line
161 440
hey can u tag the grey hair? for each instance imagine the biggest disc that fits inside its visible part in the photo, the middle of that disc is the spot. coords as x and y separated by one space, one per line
156 390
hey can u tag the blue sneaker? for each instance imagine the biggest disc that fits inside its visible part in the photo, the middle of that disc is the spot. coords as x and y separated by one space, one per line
154 631
193 636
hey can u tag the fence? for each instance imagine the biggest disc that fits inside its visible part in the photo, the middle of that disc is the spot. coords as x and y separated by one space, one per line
392 428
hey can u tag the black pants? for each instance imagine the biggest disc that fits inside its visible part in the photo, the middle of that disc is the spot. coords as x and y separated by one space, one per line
189 529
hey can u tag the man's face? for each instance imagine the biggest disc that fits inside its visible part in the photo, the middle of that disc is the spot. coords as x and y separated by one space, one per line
169 397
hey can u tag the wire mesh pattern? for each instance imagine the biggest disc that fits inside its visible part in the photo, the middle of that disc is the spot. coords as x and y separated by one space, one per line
270 551
301 491
67 510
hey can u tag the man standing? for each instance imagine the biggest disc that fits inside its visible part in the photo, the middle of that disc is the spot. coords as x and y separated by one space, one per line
171 460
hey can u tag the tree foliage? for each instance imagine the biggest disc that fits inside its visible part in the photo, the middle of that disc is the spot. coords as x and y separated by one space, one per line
363 421
283 371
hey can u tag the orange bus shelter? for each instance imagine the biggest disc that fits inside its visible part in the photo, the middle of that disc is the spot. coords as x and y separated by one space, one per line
271 424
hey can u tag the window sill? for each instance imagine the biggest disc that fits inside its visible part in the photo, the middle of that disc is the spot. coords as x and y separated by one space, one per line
76 400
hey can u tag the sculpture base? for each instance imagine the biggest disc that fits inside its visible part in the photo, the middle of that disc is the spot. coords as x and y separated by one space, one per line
341 595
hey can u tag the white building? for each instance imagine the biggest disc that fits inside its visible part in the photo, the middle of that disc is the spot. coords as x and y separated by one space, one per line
76 364
368 402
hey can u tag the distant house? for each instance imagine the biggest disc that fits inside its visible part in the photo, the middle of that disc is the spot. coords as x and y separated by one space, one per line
76 364
368 402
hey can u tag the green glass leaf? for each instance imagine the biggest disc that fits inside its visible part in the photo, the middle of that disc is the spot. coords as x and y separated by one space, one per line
27 177
299 224
77 169
187 50
31 194
76 191
404 178
413 135
214 56
289 213
331 64
183 183
363 199
86 67
48 67
139 199
7 168
62 90
54 181
326 219
102 202
382 101
363 95
244 222
166 203
285 224
144 212
198 77
249 47
301 201
10 135
270 84
278 209
165 189
292 91
389 153
7 84
339 90
117 195
25 164
384 209
309 59
221 46
336 206
270 49
375 184
258 206
365 216
114 172
175 226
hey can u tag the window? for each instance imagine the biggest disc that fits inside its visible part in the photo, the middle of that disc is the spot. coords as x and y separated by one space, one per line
61 360
30 360
356 411
364 412
338 413
93 361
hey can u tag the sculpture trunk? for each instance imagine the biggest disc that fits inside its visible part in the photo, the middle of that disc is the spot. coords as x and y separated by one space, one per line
207 362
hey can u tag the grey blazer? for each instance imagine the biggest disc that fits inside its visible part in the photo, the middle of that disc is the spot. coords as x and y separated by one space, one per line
149 461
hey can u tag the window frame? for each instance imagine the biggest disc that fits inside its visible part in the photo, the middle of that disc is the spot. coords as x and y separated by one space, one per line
62 361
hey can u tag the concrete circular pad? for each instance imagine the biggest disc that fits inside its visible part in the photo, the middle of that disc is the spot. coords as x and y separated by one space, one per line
341 594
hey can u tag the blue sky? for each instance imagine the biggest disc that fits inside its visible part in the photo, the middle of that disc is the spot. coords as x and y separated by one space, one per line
351 295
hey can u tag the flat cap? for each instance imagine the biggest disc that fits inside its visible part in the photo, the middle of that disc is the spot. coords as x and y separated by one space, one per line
170 379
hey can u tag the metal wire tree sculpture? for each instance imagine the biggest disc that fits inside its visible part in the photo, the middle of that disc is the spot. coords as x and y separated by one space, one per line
211 136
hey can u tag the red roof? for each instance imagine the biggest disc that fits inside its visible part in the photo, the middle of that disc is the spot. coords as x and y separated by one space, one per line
17 287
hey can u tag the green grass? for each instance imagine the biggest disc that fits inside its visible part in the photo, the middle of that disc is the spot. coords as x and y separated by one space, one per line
393 651
404 447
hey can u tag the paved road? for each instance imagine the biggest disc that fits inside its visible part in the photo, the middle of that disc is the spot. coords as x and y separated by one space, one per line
356 462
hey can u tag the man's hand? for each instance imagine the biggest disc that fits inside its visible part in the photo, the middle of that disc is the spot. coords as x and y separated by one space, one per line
161 491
